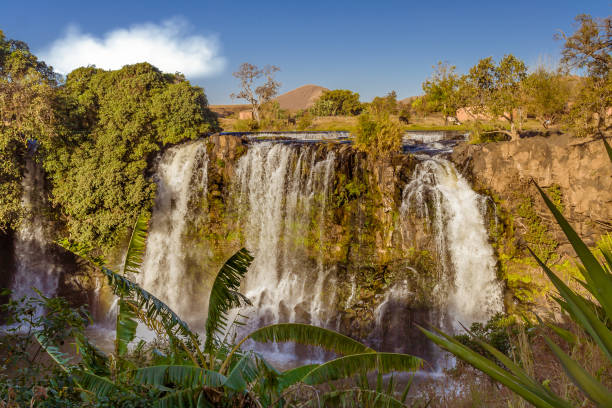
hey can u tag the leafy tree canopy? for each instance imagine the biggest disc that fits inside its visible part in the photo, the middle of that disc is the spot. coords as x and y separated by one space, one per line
113 124
26 114
338 102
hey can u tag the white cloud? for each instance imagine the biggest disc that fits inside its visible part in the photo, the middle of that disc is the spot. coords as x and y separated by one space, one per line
168 46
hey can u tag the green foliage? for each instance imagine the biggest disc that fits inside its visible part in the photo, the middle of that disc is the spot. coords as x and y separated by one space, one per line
304 120
384 105
546 95
495 332
337 102
538 236
115 121
27 114
224 295
589 48
443 91
379 136
591 314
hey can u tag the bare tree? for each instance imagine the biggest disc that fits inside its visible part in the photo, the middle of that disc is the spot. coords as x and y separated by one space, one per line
249 75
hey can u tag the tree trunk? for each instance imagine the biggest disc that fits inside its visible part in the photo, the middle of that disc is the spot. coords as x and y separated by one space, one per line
513 133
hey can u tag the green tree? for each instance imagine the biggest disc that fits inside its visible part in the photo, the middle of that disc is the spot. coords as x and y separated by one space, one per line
589 48
495 89
27 101
384 105
114 122
443 91
337 102
256 95
546 95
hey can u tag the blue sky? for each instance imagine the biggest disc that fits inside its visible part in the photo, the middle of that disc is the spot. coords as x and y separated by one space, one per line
370 47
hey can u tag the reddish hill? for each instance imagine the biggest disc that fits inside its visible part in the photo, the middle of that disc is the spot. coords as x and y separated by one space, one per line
300 98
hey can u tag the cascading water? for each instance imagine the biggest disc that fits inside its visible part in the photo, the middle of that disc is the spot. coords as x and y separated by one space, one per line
285 192
468 287
182 175
35 264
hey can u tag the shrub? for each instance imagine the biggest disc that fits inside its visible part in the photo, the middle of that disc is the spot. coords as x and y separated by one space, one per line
379 136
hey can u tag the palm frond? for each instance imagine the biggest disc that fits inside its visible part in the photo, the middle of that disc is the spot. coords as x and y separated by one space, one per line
152 307
347 366
137 245
126 326
54 352
184 376
187 398
360 396
242 374
97 385
309 335
92 357
295 375
224 294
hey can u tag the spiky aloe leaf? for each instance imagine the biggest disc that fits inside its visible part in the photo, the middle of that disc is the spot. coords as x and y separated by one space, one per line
347 366
608 148
224 295
592 388
537 397
581 311
185 376
360 396
598 279
309 335
137 245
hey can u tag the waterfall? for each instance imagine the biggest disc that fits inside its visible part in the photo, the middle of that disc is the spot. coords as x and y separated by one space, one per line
284 190
35 263
182 174
468 287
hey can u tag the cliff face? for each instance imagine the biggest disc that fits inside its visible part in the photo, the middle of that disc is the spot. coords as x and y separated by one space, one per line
577 176
579 169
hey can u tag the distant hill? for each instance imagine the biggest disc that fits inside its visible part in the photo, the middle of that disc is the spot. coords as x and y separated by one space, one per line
300 98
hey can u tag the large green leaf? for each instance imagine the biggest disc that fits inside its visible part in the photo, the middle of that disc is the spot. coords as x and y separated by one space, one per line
94 359
224 294
599 280
126 326
185 376
186 398
137 245
536 396
309 335
63 360
152 307
360 396
347 366
295 375
99 386
242 374
592 388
